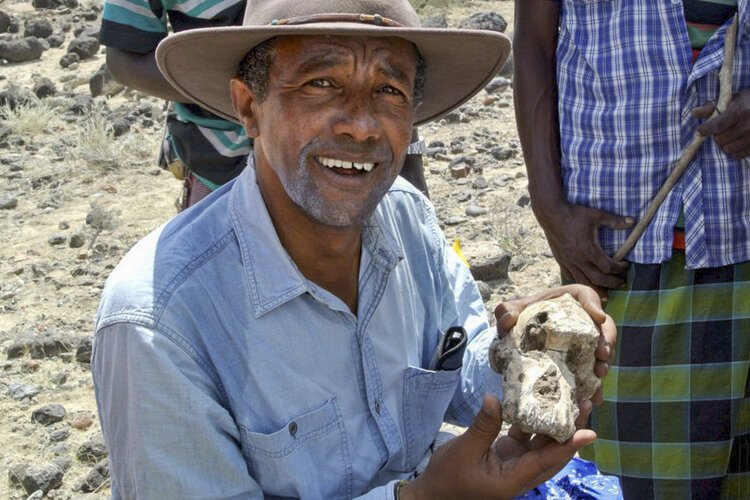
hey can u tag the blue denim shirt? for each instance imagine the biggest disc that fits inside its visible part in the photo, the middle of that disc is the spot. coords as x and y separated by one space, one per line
221 372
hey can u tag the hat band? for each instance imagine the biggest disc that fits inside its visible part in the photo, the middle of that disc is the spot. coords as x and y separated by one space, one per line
375 19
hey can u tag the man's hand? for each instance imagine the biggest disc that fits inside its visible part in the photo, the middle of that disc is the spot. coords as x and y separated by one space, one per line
573 235
507 313
478 465
731 129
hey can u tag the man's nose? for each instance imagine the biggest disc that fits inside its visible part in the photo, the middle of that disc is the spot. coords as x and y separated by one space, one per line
357 120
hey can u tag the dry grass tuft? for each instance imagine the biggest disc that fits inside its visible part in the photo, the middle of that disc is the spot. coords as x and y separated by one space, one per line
29 118
94 142
101 219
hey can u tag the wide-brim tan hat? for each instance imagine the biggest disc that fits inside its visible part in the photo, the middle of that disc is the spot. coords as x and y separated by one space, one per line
459 63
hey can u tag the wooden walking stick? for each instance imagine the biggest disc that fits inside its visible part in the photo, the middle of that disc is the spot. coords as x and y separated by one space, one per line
725 95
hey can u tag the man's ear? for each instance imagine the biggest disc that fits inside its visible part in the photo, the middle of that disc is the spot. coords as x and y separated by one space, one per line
243 100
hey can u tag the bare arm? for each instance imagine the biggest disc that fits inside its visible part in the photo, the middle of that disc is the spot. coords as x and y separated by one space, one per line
571 230
139 71
535 95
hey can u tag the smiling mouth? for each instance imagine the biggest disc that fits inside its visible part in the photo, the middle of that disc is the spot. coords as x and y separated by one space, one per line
343 164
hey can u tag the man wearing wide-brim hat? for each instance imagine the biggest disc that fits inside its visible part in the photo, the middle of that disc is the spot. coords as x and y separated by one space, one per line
305 332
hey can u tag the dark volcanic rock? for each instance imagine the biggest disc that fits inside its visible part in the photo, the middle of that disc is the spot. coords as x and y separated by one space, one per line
53 4
40 28
15 25
77 240
4 21
84 46
120 126
57 239
95 478
491 268
80 104
485 21
92 451
484 290
22 391
436 21
86 30
55 40
42 477
41 346
20 50
44 88
83 351
497 83
59 435
48 415
69 59
102 83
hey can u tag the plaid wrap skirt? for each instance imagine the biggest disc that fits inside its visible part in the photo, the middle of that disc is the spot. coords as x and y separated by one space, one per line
675 422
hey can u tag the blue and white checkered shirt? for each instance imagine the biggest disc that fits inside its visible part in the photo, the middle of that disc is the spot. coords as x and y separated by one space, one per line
627 85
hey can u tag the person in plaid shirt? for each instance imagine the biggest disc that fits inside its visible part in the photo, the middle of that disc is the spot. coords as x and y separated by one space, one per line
607 94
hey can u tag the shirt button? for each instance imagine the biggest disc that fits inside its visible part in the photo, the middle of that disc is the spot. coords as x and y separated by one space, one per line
293 429
377 406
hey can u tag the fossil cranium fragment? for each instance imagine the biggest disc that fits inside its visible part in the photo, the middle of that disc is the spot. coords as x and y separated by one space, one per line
547 362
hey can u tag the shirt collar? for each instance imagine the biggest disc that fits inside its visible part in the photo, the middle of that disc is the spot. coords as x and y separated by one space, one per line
272 276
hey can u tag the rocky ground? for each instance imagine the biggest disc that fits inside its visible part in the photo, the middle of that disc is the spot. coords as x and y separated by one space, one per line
79 186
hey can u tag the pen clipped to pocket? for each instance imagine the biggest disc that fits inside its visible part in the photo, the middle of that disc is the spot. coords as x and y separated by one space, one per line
449 354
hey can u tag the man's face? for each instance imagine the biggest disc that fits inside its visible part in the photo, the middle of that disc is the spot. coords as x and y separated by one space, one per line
334 126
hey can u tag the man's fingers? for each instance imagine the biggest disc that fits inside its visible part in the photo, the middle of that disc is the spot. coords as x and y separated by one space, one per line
545 461
734 141
598 396
584 408
506 315
479 437
716 125
613 221
590 301
609 339
704 111
739 151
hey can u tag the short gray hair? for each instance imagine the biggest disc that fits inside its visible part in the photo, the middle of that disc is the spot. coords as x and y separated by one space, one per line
255 70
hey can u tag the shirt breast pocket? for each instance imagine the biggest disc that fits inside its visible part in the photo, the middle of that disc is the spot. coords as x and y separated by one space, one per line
287 462
427 395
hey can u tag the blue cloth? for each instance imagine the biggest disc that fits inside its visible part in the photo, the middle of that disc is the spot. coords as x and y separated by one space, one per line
579 480
221 372
626 87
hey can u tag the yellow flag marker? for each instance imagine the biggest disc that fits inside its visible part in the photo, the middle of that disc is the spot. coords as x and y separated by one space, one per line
456 246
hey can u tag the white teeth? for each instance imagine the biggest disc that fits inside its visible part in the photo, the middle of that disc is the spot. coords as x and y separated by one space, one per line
335 163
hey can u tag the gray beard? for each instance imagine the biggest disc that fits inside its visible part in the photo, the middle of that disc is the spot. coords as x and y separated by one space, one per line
301 192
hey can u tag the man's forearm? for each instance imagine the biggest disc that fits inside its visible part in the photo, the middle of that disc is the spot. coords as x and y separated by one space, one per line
139 71
535 41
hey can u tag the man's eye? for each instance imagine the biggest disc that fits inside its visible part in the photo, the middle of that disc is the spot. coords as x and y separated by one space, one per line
320 82
387 89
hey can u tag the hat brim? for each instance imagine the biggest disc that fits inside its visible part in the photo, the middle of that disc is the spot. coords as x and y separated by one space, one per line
459 63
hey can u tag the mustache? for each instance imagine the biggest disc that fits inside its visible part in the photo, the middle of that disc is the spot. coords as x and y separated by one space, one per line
370 150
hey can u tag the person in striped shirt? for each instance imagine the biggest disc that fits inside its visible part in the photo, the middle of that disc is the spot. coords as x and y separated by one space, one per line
607 94
204 149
